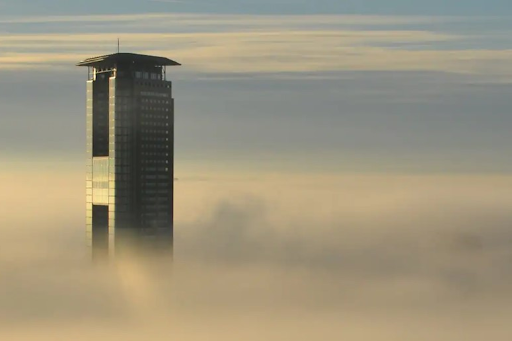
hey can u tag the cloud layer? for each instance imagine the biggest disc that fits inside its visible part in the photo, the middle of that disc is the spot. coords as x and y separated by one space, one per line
375 256
255 44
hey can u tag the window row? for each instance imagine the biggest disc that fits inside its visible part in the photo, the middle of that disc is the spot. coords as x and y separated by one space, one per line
156 133
154 139
148 75
157 116
155 169
159 154
154 93
154 146
154 191
156 101
161 184
154 177
155 161
154 108
154 124
150 215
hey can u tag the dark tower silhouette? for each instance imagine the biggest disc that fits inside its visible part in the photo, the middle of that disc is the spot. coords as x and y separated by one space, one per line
130 154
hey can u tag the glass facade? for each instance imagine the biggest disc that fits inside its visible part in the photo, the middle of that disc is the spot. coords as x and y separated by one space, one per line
100 174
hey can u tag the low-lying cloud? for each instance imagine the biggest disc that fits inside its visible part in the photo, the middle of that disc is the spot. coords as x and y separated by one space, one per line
386 257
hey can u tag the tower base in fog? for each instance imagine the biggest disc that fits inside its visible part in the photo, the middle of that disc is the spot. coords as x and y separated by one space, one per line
136 243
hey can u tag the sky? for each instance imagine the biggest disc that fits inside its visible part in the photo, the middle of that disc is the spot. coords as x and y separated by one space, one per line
344 163
434 7
345 86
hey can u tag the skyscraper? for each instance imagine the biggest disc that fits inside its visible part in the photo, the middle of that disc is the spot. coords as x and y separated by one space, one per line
130 153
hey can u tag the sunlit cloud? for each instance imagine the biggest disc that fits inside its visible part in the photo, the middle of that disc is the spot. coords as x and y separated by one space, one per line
229 19
296 51
253 44
405 251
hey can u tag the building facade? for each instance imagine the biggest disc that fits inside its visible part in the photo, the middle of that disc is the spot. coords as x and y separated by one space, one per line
130 154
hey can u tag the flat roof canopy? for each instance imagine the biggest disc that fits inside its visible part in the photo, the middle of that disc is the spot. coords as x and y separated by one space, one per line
112 59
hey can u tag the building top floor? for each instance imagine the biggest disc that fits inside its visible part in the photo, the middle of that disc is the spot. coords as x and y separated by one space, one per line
130 65
113 60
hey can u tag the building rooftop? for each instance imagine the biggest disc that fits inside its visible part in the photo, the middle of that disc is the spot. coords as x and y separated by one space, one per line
115 58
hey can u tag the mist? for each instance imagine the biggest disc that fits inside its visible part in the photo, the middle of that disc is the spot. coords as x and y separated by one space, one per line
267 256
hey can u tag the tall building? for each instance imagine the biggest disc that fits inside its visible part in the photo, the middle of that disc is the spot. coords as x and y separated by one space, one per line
130 154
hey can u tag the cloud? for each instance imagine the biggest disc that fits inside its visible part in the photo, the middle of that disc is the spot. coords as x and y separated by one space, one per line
269 51
230 19
388 256
254 44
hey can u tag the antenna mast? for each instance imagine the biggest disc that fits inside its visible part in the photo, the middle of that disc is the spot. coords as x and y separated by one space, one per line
117 45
